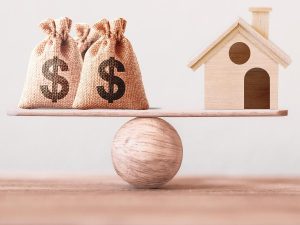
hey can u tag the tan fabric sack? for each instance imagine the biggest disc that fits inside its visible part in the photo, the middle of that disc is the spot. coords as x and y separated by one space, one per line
111 76
86 37
54 69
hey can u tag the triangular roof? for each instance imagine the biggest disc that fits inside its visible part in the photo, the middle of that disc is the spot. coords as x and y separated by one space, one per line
242 27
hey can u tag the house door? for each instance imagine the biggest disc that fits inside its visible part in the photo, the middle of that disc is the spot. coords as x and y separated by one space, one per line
257 89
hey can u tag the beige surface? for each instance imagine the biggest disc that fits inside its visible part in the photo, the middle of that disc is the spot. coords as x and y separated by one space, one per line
145 113
224 80
185 200
260 20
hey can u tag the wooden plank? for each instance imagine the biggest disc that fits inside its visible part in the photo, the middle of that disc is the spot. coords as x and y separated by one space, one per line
145 113
185 200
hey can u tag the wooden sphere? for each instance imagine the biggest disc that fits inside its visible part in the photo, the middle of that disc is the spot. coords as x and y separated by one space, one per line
147 152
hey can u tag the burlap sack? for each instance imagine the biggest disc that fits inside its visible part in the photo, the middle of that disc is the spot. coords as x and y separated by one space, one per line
86 37
54 69
111 76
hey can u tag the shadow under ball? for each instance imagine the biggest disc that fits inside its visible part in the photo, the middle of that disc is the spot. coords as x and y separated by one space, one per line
147 152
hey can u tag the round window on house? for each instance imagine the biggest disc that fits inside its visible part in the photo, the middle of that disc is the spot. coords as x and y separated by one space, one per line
239 53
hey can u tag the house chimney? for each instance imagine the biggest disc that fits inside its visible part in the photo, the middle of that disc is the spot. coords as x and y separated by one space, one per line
260 20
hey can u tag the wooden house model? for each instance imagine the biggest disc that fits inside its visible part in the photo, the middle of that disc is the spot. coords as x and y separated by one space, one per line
241 66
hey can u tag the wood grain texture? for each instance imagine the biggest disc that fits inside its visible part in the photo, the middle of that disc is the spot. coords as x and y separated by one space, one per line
224 80
257 89
147 152
226 64
260 20
185 200
145 113
239 53
241 26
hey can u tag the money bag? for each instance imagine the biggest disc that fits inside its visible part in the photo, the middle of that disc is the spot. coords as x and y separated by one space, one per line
86 37
54 68
111 77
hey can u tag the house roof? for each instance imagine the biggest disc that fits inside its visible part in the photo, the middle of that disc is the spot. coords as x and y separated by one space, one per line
242 27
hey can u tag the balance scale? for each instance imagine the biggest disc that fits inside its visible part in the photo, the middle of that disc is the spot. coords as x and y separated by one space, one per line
146 151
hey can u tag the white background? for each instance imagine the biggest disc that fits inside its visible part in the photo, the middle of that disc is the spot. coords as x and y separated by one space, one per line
165 36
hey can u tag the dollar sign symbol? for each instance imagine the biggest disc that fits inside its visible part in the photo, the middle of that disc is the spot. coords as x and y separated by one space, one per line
55 63
112 80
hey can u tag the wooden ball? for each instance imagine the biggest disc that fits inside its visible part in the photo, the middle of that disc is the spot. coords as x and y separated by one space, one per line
147 152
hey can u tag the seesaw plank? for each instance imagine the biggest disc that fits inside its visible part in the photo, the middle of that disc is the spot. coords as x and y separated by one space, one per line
146 113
